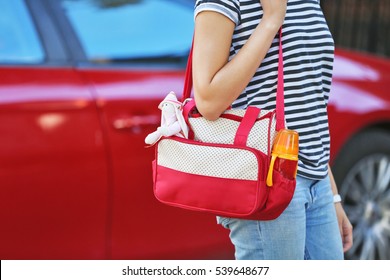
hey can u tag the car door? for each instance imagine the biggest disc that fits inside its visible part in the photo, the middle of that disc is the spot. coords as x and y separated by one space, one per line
53 168
135 53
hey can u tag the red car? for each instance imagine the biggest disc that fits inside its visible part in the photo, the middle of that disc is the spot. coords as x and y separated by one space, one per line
80 82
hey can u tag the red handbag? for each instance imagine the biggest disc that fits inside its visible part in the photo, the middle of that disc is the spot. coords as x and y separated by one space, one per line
222 167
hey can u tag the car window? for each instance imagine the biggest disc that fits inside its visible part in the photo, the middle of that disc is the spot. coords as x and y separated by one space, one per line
19 41
125 30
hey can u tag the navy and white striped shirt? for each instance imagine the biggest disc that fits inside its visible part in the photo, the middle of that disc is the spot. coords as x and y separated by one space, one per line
308 51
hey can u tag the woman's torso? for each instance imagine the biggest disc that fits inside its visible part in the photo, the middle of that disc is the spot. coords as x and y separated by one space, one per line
308 51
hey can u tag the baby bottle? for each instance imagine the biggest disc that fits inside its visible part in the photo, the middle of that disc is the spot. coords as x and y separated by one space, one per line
284 155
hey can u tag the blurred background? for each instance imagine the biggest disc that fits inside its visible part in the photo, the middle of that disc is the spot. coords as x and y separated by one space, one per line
360 24
80 82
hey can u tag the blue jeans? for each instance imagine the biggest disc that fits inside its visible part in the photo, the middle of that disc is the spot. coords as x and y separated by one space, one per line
307 229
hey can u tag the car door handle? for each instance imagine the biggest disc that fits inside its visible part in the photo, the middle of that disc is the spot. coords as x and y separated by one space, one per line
136 122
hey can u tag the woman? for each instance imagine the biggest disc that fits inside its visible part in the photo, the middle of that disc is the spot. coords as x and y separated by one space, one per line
235 63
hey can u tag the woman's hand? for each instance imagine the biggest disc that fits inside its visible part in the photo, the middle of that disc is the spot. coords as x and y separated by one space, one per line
274 12
345 227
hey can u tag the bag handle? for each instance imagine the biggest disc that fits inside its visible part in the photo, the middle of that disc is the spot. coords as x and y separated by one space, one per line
279 92
248 121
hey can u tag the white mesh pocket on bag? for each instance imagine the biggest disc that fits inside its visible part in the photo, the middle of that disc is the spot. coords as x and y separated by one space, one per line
260 135
223 130
230 163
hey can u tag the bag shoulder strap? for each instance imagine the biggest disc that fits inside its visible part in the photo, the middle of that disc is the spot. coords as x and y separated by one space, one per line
280 86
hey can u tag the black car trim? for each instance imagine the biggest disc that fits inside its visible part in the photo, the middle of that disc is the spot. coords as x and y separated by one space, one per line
65 30
48 34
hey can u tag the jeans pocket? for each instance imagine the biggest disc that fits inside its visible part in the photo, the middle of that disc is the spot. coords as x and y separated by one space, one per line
223 221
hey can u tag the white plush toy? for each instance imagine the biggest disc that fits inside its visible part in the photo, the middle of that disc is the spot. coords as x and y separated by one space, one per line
172 120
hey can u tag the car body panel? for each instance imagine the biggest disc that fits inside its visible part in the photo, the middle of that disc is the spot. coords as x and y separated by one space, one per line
359 97
53 168
141 226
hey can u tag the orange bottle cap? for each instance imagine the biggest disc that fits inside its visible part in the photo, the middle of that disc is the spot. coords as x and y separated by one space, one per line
286 143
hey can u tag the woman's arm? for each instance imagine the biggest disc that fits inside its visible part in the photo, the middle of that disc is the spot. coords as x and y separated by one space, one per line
344 223
217 82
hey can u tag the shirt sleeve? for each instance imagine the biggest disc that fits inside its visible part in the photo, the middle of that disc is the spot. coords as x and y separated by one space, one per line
229 8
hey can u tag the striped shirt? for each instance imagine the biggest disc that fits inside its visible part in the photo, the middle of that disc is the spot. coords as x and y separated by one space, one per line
308 51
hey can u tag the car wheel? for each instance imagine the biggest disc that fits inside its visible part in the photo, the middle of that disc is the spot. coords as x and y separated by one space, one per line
362 172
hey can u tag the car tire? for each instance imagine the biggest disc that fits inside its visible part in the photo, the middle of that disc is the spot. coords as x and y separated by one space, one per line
362 173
